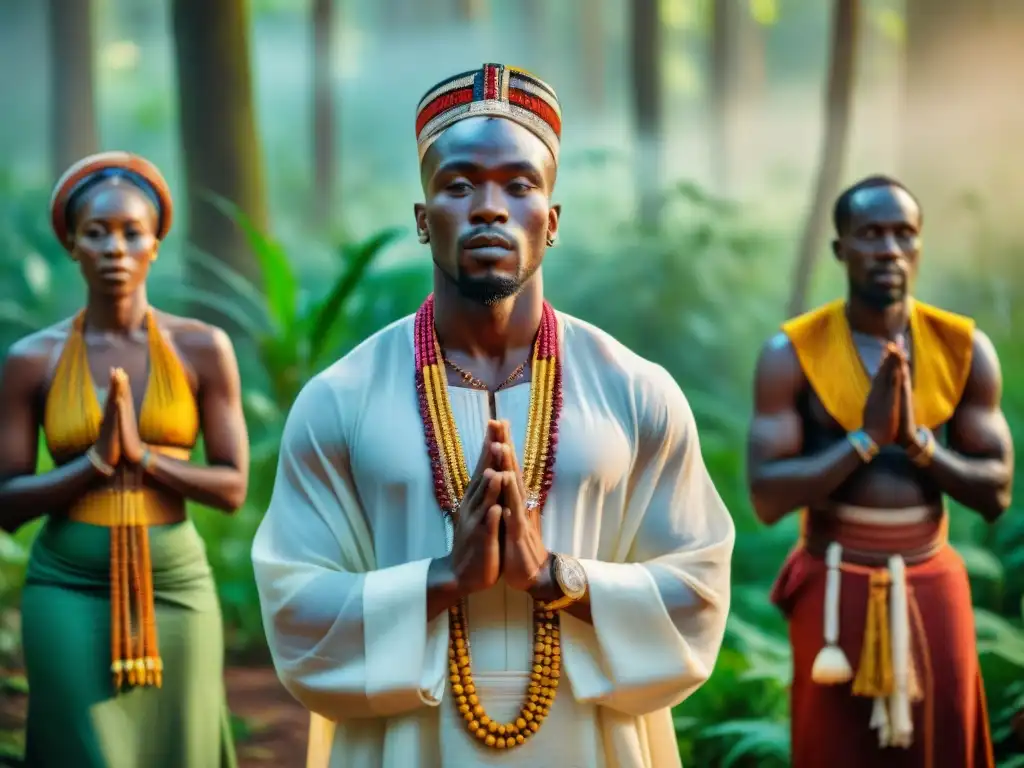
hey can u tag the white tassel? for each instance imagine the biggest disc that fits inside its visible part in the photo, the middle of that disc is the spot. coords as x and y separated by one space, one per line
831 667
899 633
880 721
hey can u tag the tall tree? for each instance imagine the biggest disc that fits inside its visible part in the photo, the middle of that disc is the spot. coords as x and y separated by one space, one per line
737 73
954 56
727 27
846 17
472 10
324 155
645 44
218 129
591 19
73 126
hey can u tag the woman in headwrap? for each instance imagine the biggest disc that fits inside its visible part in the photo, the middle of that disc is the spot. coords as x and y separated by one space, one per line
122 630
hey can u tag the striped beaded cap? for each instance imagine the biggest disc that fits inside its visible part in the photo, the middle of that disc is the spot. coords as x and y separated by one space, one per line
493 90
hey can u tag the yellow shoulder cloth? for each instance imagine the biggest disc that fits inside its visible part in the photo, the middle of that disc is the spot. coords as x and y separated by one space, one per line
943 343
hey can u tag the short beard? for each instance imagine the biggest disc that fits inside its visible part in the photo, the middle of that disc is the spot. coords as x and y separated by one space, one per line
488 290
877 299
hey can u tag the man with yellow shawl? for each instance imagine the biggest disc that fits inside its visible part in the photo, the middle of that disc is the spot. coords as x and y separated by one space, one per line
868 412
492 539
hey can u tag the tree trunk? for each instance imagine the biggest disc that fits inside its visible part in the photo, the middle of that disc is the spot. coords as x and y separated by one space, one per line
647 106
953 57
218 129
472 10
591 19
846 17
737 81
324 159
73 127
727 27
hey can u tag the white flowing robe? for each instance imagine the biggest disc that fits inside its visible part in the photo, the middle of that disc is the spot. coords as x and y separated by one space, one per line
341 563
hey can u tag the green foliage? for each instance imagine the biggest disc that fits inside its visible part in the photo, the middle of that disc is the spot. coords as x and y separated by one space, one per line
295 335
698 296
295 338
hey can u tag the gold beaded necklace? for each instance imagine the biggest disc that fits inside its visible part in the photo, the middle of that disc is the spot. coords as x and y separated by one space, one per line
451 478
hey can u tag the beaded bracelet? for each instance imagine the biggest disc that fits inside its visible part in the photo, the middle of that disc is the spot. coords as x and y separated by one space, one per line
866 448
922 449
148 459
101 466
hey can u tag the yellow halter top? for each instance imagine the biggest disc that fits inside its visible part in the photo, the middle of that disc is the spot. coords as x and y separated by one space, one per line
943 345
168 417
169 424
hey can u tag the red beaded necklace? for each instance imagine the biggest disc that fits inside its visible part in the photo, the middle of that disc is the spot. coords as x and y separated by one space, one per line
451 477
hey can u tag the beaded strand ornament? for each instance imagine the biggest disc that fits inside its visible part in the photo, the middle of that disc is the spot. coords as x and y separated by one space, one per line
451 478
134 646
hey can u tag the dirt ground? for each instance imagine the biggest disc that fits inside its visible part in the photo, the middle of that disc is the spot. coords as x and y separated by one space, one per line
276 724
271 727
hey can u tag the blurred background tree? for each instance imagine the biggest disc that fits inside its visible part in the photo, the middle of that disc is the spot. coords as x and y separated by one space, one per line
704 142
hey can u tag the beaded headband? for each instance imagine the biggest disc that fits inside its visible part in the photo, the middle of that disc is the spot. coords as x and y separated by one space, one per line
89 171
493 90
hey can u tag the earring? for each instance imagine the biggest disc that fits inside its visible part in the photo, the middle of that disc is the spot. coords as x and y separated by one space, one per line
424 237
551 240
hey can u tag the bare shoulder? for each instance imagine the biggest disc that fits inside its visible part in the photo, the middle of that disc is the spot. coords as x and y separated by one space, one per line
777 362
778 377
984 358
985 380
29 359
204 346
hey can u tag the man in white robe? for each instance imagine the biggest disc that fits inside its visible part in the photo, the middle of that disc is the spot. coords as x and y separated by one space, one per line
354 560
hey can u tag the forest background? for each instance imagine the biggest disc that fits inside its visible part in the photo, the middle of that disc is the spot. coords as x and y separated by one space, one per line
704 143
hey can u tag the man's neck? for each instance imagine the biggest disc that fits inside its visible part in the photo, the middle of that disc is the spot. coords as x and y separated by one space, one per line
884 322
479 330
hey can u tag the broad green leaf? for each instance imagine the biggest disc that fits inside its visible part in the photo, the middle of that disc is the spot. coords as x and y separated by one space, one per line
751 739
236 282
259 406
13 314
980 562
38 275
14 684
999 637
215 302
358 258
683 724
280 284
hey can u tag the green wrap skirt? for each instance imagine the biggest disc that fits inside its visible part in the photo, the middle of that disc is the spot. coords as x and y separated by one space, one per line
75 717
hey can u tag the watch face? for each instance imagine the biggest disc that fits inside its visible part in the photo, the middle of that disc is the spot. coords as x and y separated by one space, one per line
571 577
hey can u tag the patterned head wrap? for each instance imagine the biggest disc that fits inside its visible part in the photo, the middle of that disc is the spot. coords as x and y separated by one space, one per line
90 171
493 90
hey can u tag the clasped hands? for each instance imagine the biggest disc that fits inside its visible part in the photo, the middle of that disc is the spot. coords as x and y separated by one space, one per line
495 533
119 440
889 409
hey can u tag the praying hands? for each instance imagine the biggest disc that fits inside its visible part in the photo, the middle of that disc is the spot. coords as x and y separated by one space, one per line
119 440
525 557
